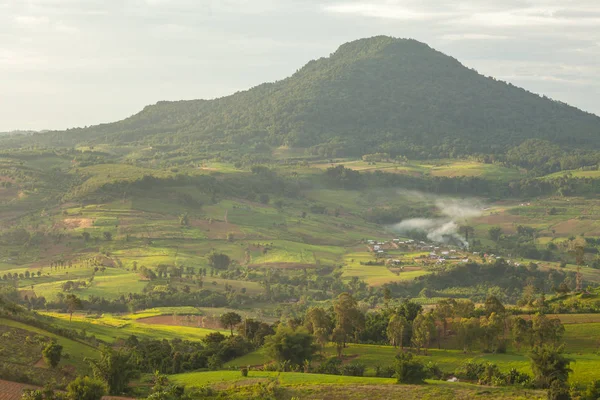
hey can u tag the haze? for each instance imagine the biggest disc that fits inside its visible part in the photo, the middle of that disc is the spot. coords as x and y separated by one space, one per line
66 63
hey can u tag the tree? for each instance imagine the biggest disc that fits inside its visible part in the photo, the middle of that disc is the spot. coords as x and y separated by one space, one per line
230 320
86 388
219 260
289 345
86 236
52 354
409 371
318 322
349 319
546 330
521 332
443 311
468 332
395 330
423 331
491 328
107 236
494 233
115 368
549 365
73 303
493 305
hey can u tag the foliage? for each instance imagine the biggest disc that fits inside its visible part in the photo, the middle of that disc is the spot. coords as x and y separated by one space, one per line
52 354
86 388
409 370
115 368
549 365
230 320
291 346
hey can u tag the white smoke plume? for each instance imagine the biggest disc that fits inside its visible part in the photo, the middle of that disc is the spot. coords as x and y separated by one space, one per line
444 229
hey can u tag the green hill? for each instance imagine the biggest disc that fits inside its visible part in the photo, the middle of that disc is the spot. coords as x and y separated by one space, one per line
384 94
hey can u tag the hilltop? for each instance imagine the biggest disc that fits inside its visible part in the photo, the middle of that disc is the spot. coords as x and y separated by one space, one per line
380 94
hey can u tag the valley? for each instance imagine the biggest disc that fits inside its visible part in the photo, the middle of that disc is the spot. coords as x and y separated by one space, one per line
296 241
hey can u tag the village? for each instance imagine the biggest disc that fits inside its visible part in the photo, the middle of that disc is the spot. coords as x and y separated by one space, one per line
404 252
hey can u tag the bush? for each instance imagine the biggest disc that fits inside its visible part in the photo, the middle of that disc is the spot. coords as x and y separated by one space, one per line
385 372
515 377
244 372
331 367
52 354
470 370
354 369
86 388
409 370
433 370
491 375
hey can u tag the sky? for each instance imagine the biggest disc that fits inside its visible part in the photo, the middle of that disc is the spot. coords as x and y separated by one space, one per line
71 63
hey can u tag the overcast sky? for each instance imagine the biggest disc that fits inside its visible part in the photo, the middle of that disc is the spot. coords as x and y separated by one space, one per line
66 63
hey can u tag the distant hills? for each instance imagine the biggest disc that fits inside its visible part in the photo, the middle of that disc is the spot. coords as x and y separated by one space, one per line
381 94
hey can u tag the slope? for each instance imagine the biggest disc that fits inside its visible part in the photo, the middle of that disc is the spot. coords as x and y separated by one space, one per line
377 94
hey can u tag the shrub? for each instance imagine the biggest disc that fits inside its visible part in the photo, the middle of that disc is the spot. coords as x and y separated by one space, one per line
470 371
514 377
244 372
331 366
86 388
409 370
384 372
52 354
354 369
433 370
491 375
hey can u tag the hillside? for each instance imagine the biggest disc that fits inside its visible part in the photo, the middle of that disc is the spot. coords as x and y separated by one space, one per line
378 94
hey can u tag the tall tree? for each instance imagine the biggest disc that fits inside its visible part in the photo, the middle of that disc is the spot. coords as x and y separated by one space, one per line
73 303
423 331
349 319
443 311
230 320
318 322
395 330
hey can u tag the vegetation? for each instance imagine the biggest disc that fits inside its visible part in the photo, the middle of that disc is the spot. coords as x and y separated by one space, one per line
265 232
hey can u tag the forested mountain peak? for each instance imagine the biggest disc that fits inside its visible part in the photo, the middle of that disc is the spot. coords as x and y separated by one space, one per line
379 94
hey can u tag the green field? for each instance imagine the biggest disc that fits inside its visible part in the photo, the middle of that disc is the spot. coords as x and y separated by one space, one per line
318 386
77 351
111 328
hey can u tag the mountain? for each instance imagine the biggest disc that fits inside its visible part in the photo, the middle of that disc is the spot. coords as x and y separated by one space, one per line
380 94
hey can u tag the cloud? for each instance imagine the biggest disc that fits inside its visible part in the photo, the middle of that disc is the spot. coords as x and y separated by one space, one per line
150 50
31 20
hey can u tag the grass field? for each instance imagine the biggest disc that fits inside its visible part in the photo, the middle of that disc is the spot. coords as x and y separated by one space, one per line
374 275
318 386
582 352
111 328
77 351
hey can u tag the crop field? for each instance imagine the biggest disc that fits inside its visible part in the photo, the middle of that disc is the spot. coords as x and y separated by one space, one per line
448 168
375 275
112 328
553 217
77 351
